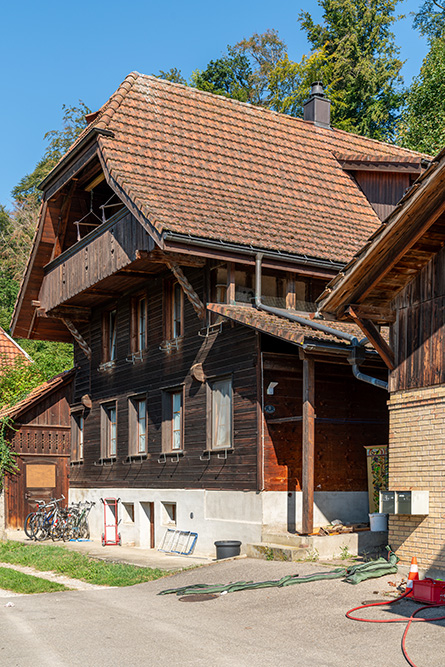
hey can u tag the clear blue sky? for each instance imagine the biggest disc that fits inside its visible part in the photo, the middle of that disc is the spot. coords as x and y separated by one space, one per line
55 53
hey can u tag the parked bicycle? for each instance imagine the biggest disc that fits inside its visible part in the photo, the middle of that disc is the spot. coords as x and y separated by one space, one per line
59 523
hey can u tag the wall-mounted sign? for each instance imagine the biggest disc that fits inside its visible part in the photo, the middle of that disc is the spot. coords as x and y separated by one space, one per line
269 409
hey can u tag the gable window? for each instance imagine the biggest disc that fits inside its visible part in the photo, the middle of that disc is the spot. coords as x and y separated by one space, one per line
138 324
109 431
174 310
220 429
77 436
137 444
173 420
109 336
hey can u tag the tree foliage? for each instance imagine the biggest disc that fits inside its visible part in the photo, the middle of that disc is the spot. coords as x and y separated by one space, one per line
17 228
430 19
173 74
359 63
229 76
423 120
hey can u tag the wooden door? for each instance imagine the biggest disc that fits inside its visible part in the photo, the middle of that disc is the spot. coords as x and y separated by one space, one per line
39 478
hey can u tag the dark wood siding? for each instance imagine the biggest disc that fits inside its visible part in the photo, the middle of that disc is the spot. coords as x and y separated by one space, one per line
419 331
349 415
113 246
383 189
232 350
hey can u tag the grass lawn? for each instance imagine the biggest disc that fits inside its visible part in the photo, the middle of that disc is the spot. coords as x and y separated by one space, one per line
78 566
18 582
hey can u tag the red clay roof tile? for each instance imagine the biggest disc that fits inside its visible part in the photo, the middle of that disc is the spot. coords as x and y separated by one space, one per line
215 168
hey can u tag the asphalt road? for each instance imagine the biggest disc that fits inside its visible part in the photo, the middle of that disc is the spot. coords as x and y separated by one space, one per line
301 625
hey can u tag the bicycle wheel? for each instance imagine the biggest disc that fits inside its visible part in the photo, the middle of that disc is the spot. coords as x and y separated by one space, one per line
29 525
69 529
84 530
41 528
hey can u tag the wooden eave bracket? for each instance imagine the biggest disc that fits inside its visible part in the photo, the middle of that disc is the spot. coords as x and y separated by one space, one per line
374 337
187 288
80 340
377 314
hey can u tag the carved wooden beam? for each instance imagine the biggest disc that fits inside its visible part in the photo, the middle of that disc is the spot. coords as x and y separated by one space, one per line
186 287
308 445
374 337
76 313
158 257
374 313
80 340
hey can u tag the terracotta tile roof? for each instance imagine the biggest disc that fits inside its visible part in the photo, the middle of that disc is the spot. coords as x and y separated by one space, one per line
210 167
282 328
10 350
37 394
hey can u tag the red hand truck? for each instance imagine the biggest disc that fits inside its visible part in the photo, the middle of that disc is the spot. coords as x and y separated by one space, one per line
110 536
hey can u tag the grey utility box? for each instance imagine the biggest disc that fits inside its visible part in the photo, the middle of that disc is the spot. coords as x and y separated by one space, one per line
404 502
387 502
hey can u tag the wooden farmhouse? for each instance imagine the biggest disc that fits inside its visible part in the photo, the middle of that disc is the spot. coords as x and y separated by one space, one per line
182 243
39 434
398 278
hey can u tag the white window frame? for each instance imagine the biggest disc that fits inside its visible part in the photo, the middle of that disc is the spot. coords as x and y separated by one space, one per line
109 430
77 436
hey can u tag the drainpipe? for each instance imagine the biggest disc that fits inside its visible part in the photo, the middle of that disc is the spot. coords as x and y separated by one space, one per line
357 355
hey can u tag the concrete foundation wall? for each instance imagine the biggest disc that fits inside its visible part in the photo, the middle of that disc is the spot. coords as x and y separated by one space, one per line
214 515
417 461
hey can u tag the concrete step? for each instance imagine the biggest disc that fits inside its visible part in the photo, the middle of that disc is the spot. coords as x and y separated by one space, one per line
268 551
364 543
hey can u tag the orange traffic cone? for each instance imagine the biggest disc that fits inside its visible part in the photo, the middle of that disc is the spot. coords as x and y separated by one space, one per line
413 574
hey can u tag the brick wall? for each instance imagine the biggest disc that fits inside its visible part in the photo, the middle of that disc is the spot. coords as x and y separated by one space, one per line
417 461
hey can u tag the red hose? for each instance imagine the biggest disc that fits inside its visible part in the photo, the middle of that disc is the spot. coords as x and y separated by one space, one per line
397 620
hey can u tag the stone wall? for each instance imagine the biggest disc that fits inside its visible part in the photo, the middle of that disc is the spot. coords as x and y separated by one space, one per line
417 461
2 515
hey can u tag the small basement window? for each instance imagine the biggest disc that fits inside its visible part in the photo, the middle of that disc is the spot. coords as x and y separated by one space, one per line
168 514
128 512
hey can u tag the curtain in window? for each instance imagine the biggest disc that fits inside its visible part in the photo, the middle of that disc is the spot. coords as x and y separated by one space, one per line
222 414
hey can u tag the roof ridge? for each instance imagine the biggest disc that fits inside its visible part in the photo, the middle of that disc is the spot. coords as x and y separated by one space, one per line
222 99
115 101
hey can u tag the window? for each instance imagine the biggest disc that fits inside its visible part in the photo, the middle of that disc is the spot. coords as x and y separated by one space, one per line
77 436
109 431
177 311
109 336
172 421
138 324
220 426
137 426
174 311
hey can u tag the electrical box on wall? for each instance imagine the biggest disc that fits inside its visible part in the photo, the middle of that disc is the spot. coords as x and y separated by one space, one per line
404 502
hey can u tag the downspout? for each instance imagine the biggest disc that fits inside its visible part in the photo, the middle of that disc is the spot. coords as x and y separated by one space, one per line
357 355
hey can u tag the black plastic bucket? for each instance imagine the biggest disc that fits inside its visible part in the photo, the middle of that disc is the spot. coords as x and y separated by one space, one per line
227 549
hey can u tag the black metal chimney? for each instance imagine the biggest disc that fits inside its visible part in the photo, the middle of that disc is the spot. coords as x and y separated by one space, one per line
317 109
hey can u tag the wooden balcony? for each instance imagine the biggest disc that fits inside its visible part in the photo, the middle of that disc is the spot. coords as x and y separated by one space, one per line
110 248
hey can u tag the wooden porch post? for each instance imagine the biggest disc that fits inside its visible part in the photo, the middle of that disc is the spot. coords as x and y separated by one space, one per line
308 444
